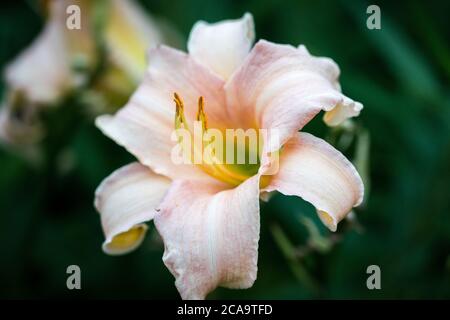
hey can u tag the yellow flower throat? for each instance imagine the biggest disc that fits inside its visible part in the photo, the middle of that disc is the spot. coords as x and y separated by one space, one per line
232 173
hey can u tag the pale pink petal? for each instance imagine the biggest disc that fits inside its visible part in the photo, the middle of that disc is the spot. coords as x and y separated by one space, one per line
45 71
347 108
42 72
343 111
282 87
125 200
144 126
222 46
210 236
315 171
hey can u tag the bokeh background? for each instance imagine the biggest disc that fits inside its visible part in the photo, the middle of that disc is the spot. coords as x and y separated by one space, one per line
400 73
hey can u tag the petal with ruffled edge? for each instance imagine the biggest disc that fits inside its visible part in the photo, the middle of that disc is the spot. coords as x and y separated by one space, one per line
210 236
222 46
145 125
282 87
347 108
126 199
315 171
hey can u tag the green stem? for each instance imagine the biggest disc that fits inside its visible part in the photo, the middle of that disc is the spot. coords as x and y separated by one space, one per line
288 250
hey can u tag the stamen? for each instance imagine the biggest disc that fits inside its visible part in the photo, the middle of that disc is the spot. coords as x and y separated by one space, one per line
201 115
180 120
216 168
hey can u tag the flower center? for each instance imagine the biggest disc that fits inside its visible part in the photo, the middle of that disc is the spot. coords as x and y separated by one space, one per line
230 155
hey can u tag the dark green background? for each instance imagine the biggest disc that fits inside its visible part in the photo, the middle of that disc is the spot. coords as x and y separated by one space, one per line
400 73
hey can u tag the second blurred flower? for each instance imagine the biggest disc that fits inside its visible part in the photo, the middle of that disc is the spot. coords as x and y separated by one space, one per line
102 62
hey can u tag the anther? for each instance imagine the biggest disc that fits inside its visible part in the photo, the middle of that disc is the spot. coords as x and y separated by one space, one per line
201 115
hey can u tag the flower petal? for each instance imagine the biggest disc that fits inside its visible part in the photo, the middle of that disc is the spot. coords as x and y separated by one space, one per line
145 125
347 109
222 46
314 170
210 236
129 33
42 72
282 87
125 200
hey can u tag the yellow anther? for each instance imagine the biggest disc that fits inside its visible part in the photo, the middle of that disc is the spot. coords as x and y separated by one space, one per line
178 101
201 115
214 167
180 120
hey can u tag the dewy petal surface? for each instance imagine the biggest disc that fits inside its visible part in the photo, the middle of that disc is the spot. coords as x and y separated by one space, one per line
282 87
315 171
144 126
126 199
222 46
210 236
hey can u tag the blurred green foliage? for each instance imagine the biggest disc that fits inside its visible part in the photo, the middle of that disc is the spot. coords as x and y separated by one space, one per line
400 73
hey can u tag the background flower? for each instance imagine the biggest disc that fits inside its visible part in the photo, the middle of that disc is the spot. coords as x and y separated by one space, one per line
98 65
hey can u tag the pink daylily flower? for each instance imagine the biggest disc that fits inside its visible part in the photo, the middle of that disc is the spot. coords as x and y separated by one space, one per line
210 227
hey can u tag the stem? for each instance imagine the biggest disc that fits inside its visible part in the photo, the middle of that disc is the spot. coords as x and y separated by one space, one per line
288 250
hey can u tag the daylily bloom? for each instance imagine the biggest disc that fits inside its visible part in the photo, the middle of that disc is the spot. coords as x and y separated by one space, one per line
209 223
62 60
